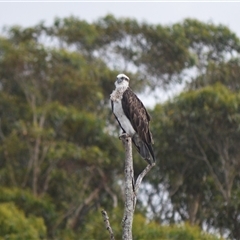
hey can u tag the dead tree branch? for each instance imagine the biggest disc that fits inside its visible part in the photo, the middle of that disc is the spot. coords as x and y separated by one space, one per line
107 224
131 191
131 188
130 198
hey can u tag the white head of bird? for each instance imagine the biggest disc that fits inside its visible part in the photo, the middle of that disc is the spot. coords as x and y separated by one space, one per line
122 81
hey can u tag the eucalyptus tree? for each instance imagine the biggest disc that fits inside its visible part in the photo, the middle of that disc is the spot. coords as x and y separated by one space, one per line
198 139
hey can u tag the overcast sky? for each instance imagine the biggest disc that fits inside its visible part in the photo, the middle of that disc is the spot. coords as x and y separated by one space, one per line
32 12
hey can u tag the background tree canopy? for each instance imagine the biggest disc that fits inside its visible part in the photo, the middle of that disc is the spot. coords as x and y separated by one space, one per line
60 157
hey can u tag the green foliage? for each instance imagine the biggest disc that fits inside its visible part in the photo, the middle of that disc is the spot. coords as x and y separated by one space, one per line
32 206
199 150
218 39
152 230
142 229
15 225
226 73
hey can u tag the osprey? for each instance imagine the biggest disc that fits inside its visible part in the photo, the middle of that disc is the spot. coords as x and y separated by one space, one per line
132 117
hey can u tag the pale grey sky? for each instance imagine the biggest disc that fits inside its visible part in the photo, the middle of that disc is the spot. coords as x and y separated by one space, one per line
30 13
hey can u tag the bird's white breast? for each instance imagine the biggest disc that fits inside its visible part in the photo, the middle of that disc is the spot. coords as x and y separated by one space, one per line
124 121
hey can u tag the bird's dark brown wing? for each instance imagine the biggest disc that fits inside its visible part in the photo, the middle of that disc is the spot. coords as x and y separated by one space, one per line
137 114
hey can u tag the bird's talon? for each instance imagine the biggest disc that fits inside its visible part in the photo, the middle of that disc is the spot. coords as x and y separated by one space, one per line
123 136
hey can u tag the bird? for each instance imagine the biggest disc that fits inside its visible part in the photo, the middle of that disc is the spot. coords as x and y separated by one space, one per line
132 117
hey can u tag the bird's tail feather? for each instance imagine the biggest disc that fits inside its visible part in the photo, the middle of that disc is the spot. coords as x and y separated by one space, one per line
144 149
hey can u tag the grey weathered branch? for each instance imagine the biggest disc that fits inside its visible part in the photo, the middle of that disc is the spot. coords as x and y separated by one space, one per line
131 188
141 176
107 224
130 197
131 191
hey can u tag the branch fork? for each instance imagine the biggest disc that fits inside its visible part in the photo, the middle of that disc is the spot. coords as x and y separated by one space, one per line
131 191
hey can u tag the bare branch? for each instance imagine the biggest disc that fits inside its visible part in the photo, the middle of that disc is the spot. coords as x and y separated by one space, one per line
215 177
48 177
90 198
107 224
130 197
108 190
141 176
131 188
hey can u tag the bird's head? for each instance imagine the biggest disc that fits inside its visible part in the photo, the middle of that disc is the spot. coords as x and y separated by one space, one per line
122 81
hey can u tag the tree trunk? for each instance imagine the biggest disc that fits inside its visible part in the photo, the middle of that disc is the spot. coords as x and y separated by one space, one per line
130 197
131 188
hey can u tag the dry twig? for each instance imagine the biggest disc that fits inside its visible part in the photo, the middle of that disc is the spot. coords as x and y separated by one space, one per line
107 224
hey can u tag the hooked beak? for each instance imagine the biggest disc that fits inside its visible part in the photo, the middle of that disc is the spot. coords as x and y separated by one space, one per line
119 80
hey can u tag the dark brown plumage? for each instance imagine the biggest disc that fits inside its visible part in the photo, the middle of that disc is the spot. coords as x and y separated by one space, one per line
139 118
